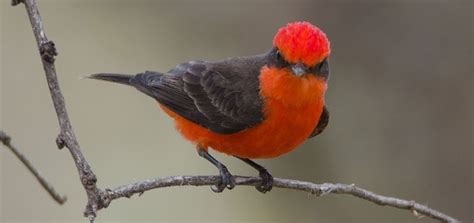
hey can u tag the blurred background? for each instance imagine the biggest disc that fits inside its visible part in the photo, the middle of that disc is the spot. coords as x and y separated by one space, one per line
400 97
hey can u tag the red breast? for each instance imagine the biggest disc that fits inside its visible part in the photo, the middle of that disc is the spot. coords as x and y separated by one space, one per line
292 109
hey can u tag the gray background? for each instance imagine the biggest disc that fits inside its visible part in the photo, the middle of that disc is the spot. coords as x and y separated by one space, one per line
400 97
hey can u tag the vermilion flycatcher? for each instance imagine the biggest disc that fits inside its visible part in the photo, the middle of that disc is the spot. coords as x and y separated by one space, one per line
249 107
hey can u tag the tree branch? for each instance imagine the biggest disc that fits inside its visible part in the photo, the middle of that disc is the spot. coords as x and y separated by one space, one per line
66 137
98 198
317 189
6 140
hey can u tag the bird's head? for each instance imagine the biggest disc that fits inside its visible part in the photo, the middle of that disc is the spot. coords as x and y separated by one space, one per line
303 48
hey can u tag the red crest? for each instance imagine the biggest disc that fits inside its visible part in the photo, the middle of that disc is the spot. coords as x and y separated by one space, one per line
302 42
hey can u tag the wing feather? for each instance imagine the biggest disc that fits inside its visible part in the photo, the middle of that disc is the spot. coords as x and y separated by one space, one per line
221 96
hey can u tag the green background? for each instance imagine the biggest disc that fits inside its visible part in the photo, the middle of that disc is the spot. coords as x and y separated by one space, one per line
400 96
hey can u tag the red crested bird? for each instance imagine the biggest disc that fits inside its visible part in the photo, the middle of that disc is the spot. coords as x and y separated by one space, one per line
250 107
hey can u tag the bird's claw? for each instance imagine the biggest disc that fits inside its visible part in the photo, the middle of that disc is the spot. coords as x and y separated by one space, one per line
267 182
227 181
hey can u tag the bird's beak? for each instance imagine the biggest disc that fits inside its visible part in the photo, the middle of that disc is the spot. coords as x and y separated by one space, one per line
299 69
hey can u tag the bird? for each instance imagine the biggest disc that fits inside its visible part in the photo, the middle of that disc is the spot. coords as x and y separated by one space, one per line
248 107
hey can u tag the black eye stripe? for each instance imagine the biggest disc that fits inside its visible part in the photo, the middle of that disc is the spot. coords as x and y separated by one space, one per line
276 59
321 69
278 55
319 66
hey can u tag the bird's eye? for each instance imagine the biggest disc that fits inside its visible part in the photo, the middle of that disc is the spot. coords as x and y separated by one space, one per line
319 67
280 60
279 57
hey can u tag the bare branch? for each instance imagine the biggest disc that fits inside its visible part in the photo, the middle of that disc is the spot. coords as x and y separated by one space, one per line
6 140
317 189
66 136
98 198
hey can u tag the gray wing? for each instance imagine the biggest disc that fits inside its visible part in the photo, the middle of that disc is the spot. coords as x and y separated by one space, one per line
221 96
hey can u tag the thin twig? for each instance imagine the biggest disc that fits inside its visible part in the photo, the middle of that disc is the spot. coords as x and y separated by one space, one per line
66 137
98 198
6 140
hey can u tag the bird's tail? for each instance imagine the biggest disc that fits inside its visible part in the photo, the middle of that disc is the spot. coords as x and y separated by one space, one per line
117 78
142 81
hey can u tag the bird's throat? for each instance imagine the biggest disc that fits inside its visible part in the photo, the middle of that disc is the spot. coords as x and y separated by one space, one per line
293 91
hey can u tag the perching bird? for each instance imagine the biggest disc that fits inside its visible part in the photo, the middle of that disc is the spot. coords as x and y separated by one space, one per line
251 107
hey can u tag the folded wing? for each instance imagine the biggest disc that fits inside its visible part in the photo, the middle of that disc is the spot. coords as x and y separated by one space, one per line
217 96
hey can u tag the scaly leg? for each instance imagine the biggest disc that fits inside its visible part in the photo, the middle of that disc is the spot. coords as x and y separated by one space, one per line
267 178
227 180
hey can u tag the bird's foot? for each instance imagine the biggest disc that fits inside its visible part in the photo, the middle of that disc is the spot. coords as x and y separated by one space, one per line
227 180
267 181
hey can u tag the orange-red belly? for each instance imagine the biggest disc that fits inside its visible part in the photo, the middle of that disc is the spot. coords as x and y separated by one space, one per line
292 109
